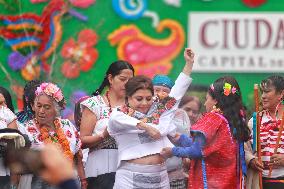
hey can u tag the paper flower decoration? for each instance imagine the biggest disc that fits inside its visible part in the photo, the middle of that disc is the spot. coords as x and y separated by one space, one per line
80 55
227 89
52 90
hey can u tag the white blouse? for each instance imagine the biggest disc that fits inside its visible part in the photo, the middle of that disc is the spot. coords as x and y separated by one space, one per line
103 158
6 117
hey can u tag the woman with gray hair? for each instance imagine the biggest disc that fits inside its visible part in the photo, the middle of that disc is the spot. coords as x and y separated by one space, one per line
47 126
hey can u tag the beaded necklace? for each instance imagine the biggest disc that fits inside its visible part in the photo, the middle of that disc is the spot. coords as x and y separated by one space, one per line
108 101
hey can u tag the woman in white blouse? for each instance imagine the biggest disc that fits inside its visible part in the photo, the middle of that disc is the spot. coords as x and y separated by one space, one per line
141 128
7 120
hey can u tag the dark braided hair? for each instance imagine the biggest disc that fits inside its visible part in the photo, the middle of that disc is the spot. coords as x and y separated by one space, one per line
8 98
114 69
232 106
28 98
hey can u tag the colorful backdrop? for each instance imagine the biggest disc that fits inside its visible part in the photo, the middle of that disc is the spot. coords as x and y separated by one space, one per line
73 42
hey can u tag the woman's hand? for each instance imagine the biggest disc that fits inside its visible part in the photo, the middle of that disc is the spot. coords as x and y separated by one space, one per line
166 152
256 165
189 60
188 55
153 132
276 160
174 139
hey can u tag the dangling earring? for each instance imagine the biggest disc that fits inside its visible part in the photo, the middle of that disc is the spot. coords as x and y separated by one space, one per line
217 110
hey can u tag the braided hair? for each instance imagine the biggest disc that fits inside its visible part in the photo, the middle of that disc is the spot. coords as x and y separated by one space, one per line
28 98
114 69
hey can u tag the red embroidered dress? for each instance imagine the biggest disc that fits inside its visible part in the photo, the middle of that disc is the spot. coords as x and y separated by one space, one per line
219 153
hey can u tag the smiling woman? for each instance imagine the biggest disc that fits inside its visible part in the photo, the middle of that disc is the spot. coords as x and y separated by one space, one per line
272 158
141 128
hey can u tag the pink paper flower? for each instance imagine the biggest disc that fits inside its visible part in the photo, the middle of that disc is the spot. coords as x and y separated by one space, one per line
50 89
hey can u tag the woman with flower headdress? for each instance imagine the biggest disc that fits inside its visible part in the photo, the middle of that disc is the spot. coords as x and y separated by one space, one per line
47 126
216 145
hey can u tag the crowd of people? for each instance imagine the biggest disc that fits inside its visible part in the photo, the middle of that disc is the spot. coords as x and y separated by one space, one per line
138 132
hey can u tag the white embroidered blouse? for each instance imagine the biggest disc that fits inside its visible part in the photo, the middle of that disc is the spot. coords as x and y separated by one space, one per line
69 130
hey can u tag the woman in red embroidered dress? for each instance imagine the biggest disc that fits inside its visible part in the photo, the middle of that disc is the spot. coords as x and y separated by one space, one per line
216 142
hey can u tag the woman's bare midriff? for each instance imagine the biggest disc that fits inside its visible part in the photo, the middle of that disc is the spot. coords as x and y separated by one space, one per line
148 160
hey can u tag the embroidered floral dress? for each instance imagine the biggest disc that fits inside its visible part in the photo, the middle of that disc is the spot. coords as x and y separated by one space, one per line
69 129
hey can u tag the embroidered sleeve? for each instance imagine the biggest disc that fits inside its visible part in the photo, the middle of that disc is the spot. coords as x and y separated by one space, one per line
93 104
73 133
214 127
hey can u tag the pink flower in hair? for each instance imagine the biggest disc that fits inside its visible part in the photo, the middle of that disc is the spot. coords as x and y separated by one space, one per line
51 90
234 90
212 87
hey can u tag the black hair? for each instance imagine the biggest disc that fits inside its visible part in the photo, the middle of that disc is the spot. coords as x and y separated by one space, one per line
28 98
8 98
78 112
232 106
276 81
114 69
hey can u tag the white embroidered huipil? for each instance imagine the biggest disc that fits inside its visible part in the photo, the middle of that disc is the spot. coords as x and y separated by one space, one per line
134 143
33 132
6 117
102 158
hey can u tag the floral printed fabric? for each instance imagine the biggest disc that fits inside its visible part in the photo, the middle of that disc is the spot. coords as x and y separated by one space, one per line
69 129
